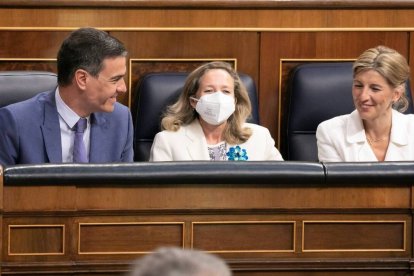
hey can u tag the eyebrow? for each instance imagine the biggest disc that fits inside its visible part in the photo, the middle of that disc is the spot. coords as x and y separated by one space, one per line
213 86
376 85
371 84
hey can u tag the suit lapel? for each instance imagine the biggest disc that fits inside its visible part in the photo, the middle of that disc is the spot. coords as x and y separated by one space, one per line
366 154
397 149
51 130
396 153
197 144
99 128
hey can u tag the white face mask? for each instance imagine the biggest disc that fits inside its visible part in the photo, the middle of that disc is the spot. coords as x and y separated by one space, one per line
215 108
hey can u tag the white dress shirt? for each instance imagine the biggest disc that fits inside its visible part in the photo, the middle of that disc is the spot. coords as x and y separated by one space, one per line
67 120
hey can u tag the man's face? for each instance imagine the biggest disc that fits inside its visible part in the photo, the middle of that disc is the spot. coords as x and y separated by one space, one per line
101 91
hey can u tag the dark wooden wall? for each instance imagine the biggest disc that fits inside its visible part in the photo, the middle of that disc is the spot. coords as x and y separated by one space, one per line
264 39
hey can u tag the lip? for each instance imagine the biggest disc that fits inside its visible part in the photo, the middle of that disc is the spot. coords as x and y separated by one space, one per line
365 107
365 104
112 99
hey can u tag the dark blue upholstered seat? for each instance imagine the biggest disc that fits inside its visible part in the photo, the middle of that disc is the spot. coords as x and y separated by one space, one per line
16 86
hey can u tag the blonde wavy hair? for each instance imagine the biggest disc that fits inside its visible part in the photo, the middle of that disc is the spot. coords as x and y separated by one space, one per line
389 64
182 113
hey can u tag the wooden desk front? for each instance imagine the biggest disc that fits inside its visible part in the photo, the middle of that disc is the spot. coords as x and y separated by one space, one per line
265 218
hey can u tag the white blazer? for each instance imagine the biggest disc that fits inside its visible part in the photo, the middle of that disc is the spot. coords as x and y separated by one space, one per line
189 143
343 139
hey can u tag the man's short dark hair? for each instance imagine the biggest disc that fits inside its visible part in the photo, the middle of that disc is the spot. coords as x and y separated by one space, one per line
86 48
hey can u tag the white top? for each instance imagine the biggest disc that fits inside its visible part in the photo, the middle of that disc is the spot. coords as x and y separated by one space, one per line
189 143
343 138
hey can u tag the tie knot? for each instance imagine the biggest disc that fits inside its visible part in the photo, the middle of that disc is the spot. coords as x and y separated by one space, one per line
81 125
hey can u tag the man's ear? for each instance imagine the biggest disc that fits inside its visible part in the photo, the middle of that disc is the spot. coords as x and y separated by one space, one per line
80 78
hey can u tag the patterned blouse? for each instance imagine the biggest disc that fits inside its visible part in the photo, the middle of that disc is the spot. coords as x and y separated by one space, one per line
218 152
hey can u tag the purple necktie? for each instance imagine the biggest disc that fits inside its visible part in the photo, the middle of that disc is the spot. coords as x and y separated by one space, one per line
79 150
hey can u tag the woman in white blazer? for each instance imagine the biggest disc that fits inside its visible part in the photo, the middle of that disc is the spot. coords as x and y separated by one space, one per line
208 121
376 130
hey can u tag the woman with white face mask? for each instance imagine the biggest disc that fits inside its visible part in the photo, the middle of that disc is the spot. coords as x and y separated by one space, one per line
208 121
375 130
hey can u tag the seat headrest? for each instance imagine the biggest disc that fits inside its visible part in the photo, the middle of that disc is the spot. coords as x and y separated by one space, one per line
16 86
318 92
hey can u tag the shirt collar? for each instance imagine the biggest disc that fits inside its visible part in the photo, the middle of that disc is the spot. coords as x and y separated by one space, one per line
355 129
65 112
356 132
399 133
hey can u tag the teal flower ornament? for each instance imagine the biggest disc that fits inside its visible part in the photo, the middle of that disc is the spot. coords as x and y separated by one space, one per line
237 154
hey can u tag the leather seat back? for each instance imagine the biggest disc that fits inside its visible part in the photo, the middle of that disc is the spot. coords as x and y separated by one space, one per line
16 86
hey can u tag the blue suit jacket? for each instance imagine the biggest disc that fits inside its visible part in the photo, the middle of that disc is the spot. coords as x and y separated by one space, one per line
30 133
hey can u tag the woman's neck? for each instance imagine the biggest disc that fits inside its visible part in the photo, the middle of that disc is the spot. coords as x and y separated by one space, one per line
378 134
213 134
379 128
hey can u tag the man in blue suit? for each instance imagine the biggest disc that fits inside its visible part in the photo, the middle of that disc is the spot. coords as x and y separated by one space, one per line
91 69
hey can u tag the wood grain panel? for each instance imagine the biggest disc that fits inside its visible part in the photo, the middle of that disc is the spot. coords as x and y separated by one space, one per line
151 18
255 196
128 238
110 225
240 46
256 236
28 64
45 198
31 44
36 240
367 271
322 236
318 45
212 3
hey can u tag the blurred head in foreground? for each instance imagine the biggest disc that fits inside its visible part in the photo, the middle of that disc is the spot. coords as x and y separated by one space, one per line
171 261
